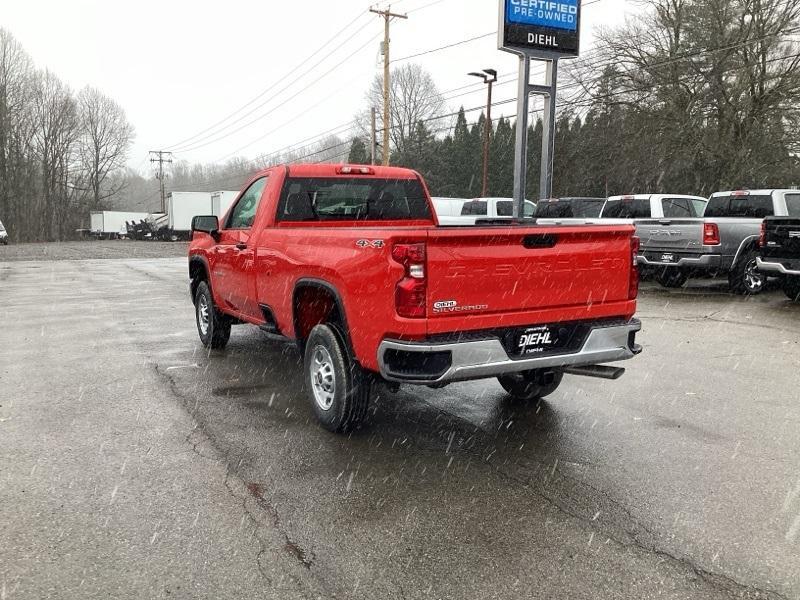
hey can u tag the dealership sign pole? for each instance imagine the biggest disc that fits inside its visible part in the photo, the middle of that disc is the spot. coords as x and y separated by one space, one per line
542 30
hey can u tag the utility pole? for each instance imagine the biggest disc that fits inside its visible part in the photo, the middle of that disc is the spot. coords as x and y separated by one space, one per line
373 147
387 17
489 76
162 158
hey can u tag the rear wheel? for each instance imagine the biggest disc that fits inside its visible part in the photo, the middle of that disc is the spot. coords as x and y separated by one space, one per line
745 278
672 277
339 390
213 327
531 385
791 287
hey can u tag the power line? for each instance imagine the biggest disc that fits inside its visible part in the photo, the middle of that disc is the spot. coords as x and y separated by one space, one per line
260 95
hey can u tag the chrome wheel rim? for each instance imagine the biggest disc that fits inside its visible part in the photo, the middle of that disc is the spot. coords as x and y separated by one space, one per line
203 316
752 278
323 378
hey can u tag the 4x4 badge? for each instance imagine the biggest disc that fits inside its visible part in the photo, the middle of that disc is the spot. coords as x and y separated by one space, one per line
370 243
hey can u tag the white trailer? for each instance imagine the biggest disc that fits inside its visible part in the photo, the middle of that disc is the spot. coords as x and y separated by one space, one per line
221 202
182 207
112 223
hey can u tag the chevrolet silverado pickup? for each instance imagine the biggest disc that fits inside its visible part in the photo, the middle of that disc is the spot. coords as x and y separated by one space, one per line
723 242
349 262
780 246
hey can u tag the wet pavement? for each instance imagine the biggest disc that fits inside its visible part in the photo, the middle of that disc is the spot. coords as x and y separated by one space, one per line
134 463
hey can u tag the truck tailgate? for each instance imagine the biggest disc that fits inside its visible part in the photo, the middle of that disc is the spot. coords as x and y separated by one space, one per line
500 270
782 237
670 234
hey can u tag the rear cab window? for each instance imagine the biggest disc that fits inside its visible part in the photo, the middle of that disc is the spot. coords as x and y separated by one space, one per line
741 206
677 208
627 208
352 199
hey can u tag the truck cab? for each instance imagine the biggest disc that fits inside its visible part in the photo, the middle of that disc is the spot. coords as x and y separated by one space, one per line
482 209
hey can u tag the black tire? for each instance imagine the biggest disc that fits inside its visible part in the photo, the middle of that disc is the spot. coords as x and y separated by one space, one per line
531 385
338 389
791 287
745 277
213 327
672 277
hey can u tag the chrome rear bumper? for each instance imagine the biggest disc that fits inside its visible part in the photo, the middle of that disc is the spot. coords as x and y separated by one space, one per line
773 267
479 359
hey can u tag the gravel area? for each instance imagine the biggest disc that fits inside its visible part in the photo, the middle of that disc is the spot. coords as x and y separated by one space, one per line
92 250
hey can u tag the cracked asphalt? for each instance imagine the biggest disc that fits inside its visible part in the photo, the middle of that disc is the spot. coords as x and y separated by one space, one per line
135 464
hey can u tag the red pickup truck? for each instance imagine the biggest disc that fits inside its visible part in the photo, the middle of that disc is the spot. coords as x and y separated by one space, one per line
350 263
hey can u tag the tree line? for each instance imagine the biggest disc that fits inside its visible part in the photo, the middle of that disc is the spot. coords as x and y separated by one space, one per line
60 151
692 96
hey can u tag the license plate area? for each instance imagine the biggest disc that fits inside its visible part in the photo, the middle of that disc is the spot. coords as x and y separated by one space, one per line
544 340
668 258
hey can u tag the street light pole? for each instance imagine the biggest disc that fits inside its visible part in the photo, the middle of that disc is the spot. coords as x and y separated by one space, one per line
489 76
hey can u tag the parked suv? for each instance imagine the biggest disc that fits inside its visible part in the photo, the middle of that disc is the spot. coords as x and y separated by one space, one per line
3 234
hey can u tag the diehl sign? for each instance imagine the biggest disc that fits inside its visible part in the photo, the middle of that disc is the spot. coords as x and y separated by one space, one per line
540 26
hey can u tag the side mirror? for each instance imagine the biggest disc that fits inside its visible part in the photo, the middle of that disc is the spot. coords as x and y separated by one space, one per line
206 224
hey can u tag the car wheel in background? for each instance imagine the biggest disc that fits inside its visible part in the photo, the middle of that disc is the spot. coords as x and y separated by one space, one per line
213 327
791 286
531 385
672 277
745 278
337 387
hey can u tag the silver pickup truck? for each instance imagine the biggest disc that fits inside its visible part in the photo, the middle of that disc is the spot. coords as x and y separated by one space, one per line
724 241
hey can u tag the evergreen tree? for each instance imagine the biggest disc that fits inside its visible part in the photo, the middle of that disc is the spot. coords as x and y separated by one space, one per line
358 152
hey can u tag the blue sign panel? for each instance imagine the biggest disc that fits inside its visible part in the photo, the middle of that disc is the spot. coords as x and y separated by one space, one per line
553 14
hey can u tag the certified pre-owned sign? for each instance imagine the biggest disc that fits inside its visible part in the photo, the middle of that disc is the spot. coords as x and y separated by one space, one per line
549 26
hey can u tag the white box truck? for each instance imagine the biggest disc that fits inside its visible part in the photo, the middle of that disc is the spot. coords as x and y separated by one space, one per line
221 202
182 207
110 224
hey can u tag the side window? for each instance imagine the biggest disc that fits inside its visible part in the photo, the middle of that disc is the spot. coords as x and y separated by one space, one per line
505 208
477 208
529 209
699 207
792 205
244 213
676 208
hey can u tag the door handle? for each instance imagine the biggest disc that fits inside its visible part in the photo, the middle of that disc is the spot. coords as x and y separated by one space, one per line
241 246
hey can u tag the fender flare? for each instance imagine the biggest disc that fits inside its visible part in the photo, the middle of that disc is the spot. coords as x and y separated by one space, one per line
745 242
198 259
338 302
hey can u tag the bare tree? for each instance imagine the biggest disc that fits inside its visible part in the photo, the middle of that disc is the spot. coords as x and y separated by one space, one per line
414 98
56 132
105 139
16 73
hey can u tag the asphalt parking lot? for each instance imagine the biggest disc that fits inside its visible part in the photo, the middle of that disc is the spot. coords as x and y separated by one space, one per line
135 464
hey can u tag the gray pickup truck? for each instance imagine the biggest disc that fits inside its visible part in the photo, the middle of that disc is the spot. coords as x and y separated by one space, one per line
780 246
723 242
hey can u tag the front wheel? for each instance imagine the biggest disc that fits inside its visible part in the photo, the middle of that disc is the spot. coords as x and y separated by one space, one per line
213 327
745 278
531 385
672 277
791 287
337 387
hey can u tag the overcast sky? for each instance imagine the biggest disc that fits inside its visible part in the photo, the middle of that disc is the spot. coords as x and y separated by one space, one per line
178 67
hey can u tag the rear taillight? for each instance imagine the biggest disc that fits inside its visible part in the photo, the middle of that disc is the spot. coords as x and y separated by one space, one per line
762 240
355 170
633 284
710 234
411 291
